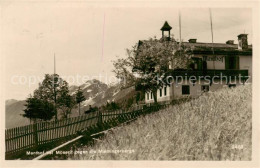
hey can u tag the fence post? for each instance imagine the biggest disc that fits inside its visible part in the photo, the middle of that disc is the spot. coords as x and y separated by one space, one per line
35 135
99 117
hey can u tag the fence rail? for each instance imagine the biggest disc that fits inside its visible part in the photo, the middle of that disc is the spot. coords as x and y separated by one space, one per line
34 136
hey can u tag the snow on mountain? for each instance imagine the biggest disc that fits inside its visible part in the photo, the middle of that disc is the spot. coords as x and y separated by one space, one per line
88 102
96 93
85 85
116 92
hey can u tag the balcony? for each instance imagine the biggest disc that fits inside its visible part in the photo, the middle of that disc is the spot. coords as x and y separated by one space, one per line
210 73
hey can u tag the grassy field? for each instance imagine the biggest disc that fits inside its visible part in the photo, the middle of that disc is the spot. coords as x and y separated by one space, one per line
216 126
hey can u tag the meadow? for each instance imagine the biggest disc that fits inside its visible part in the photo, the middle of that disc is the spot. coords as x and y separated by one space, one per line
215 126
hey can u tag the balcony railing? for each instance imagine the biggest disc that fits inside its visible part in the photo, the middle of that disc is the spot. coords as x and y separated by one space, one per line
210 73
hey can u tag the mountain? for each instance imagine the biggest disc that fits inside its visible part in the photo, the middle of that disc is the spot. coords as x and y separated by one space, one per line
96 93
91 89
13 113
10 101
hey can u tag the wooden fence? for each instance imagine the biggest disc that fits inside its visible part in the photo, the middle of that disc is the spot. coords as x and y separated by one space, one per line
20 139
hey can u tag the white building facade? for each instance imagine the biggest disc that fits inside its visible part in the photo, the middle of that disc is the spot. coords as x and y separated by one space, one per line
229 65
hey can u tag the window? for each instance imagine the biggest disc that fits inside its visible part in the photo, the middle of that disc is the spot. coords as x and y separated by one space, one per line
165 90
204 63
231 62
232 85
160 92
151 95
147 95
205 88
197 63
185 89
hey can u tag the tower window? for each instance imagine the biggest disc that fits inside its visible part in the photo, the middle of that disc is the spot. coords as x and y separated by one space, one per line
165 90
160 92
151 95
185 89
147 95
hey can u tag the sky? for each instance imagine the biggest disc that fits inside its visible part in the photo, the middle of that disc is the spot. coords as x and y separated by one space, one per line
85 40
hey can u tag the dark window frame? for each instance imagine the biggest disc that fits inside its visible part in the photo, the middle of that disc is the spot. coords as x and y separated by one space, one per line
160 92
185 89
232 62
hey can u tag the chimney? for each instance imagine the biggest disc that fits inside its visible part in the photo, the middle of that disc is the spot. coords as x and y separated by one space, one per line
242 41
230 42
192 40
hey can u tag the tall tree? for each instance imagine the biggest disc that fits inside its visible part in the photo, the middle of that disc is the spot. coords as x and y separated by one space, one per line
79 98
148 62
58 97
48 89
65 101
45 90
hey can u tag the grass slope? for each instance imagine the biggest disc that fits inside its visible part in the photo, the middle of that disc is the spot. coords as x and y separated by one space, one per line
216 126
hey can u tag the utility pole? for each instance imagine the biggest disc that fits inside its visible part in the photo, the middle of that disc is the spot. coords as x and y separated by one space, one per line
180 32
212 38
180 26
54 89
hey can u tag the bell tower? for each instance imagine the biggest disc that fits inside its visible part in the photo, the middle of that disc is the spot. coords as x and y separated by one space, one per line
166 28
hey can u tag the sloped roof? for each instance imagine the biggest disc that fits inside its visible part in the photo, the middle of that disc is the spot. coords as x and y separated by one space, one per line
219 48
166 27
216 46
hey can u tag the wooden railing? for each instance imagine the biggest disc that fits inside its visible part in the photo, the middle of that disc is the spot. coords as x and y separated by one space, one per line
38 136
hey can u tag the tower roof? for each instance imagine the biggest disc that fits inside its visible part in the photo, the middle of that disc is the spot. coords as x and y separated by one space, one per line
166 27
242 35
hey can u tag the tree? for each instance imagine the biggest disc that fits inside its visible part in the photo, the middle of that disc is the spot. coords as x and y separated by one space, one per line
148 63
79 97
65 101
38 109
48 90
123 70
130 102
55 91
111 106
139 96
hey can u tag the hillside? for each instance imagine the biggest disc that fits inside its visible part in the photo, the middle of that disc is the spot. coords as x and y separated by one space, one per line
98 94
10 102
95 92
216 126
13 111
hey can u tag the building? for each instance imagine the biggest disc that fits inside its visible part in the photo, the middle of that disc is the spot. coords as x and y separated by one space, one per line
215 66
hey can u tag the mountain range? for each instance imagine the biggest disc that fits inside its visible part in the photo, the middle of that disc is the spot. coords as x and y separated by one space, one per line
96 93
